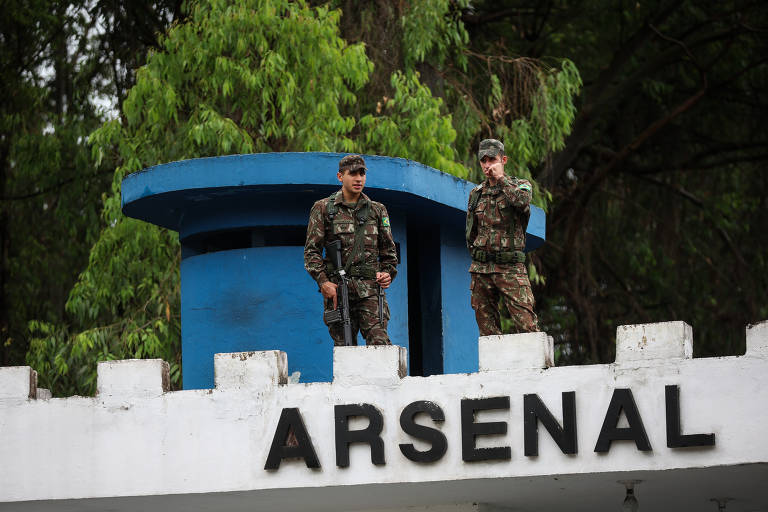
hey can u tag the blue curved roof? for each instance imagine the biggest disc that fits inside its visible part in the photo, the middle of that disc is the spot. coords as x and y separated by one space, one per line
164 193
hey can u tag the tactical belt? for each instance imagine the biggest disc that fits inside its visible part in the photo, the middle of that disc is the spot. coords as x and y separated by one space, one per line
483 256
359 271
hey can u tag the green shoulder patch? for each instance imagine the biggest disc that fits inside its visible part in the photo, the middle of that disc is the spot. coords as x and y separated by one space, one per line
524 186
385 222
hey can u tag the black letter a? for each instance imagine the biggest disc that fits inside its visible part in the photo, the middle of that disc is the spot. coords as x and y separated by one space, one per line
285 448
622 399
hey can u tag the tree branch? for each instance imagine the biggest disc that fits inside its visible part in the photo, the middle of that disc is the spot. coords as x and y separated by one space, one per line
56 186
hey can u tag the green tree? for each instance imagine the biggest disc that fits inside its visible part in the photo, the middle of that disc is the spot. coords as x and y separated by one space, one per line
659 193
489 92
238 77
49 187
62 64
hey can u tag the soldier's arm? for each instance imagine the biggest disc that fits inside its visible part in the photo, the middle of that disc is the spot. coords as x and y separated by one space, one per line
387 249
518 192
471 229
313 246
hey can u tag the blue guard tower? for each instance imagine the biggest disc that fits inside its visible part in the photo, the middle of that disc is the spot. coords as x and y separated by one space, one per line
242 222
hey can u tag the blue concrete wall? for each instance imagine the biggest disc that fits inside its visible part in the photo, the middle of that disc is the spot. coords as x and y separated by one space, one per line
261 298
460 331
397 294
250 299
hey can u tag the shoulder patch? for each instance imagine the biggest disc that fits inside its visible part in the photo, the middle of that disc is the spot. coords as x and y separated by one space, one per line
524 186
385 221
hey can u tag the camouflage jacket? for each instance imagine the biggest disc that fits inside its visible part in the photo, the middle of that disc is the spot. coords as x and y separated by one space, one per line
379 251
498 221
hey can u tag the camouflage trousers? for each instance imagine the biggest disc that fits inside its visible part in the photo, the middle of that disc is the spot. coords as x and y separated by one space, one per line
364 314
514 290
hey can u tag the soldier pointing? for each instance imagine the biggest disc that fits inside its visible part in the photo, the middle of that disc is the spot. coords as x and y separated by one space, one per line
368 253
497 217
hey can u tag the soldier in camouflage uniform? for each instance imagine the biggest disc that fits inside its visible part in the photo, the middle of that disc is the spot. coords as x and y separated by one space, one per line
372 265
497 217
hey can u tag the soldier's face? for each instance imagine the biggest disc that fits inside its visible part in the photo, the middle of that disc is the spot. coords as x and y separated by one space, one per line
488 163
353 180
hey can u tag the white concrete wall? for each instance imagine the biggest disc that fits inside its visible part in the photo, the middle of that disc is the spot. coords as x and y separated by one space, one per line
136 439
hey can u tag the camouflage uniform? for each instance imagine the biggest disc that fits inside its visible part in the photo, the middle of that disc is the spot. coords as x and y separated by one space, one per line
496 220
379 255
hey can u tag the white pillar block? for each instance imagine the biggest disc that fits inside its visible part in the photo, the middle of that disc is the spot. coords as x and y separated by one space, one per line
252 370
757 339
369 364
664 340
18 382
513 351
44 394
132 378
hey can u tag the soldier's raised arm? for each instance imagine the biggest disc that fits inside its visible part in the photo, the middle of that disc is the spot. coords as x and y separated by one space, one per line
518 191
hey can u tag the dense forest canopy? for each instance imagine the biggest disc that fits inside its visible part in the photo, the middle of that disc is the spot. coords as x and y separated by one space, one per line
641 123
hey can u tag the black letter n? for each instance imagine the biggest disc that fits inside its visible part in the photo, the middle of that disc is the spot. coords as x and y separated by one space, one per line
535 411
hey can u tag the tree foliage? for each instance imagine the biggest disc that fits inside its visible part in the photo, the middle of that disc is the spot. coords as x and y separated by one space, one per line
59 71
653 178
50 188
659 194
232 77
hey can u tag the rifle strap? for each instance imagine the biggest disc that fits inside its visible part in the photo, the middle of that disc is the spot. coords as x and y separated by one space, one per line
361 217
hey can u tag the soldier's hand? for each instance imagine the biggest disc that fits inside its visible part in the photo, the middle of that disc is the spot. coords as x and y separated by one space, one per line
494 171
497 171
384 279
328 289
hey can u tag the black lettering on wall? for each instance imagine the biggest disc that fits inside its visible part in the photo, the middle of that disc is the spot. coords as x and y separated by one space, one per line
675 438
535 411
428 434
622 399
285 446
370 434
470 430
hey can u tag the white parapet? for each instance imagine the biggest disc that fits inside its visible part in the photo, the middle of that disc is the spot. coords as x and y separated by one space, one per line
132 378
250 370
384 365
511 351
665 340
509 437
757 339
18 383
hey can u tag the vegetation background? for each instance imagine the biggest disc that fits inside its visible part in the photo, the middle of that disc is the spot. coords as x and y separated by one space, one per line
643 125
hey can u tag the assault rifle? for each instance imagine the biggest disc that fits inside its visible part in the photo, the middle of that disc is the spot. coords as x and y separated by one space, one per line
341 313
381 305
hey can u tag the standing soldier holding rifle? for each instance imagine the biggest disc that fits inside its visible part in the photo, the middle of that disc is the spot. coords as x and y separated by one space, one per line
360 256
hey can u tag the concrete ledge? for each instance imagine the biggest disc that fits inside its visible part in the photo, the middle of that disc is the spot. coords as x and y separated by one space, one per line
514 351
253 370
132 378
757 339
375 364
665 340
18 383
44 394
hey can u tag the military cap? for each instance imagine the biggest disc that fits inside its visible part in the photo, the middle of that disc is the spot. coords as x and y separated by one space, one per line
490 148
350 162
